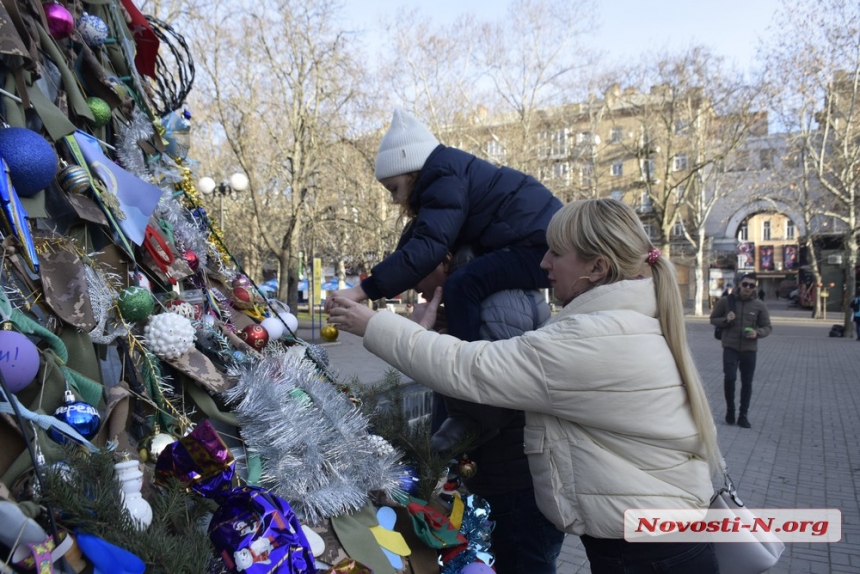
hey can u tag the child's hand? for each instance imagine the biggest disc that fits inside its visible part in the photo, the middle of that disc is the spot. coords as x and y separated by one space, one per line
356 294
425 313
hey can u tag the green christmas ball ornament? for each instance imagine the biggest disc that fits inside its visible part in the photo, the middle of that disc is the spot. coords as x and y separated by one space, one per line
100 110
135 304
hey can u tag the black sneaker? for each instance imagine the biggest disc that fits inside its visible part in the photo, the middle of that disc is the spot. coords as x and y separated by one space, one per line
730 417
743 422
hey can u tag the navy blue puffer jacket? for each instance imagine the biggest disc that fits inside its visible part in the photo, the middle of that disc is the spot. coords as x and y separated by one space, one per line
463 200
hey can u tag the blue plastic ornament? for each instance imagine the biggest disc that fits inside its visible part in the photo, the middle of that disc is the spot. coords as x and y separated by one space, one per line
79 415
408 480
31 159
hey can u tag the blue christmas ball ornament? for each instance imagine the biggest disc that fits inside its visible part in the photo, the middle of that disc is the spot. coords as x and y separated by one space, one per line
79 415
408 480
31 159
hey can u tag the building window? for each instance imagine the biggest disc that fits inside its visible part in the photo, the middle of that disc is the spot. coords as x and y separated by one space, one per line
649 229
543 144
584 138
616 135
678 228
617 195
646 199
744 231
789 229
765 231
679 162
681 126
558 143
495 150
617 168
561 171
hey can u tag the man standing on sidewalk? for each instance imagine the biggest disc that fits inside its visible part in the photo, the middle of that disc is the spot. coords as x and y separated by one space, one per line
744 320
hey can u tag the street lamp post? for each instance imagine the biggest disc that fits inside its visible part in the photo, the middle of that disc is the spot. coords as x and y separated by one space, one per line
238 182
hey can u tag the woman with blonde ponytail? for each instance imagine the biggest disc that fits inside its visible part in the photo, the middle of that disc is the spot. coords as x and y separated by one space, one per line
616 416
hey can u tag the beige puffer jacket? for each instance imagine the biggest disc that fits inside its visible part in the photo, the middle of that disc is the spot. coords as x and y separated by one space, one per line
608 423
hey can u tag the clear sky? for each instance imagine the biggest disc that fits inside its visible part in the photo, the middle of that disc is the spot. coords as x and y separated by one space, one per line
729 27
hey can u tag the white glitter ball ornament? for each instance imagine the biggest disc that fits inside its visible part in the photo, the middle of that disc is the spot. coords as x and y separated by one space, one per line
169 335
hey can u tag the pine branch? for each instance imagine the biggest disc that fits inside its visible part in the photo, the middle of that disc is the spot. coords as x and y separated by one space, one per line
87 495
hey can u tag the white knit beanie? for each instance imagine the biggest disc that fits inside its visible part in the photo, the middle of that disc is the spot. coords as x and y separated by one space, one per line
404 147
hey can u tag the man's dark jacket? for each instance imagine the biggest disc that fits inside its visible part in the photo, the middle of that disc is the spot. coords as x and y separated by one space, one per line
752 313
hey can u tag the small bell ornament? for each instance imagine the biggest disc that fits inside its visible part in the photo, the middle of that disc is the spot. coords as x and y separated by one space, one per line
130 482
77 414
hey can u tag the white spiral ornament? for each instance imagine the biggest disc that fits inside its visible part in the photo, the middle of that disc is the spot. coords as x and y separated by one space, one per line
169 335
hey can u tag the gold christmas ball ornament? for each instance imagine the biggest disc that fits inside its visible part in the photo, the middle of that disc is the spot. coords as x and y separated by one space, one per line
329 333
152 444
467 468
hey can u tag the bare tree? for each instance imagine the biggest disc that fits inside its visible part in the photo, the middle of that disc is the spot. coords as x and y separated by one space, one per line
478 82
814 58
276 96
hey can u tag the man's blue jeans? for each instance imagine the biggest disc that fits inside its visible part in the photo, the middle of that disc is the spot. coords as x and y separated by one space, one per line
732 360
523 540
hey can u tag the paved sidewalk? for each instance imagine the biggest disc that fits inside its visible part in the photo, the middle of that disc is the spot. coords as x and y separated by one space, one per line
804 446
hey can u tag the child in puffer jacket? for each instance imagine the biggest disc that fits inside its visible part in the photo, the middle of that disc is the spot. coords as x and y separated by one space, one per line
454 198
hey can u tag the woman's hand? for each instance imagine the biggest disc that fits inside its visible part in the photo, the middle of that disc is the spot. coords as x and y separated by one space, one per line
350 316
356 294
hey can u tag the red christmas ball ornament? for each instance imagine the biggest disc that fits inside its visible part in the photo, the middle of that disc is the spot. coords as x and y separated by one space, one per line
243 297
255 335
192 260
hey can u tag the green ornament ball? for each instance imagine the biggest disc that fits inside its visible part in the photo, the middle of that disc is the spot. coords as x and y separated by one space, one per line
135 304
100 109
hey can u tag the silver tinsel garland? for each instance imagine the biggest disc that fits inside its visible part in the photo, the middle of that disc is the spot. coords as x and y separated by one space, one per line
103 289
317 453
164 173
